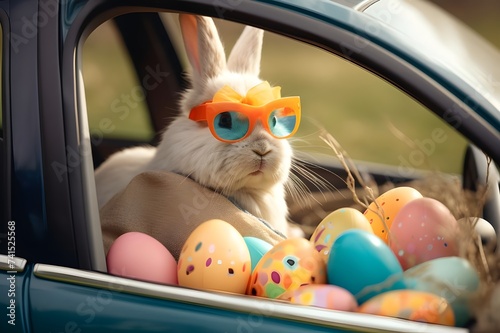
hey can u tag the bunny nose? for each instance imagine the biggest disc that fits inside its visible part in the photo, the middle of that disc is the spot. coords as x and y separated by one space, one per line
261 148
261 152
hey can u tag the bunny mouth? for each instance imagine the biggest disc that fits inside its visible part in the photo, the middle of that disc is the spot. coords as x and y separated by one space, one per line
260 169
256 173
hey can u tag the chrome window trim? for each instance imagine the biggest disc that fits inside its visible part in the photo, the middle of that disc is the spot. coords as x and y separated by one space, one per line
361 7
10 264
93 225
247 304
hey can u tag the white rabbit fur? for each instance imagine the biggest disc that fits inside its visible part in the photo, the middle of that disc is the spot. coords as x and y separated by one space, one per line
252 172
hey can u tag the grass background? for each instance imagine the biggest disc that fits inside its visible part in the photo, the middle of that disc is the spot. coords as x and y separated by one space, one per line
360 110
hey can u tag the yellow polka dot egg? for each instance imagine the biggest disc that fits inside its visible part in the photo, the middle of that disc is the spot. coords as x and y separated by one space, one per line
333 225
215 257
387 205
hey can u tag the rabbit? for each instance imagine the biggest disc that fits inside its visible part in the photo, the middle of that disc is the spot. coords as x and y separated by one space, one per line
252 172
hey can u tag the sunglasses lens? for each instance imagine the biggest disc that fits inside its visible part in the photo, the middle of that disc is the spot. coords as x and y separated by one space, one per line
231 125
282 122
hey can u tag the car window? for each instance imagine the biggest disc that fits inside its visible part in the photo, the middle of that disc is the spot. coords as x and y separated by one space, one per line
115 98
374 122
371 119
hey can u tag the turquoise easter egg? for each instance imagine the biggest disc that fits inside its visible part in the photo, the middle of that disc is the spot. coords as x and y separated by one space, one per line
452 278
257 248
363 264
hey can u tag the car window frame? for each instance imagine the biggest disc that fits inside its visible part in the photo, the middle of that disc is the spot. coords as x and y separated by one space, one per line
5 138
334 39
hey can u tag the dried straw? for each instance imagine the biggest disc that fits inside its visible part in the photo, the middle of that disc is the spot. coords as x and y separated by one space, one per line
463 204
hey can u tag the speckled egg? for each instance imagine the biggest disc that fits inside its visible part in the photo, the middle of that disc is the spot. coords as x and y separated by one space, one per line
325 296
333 225
452 278
288 265
423 229
410 304
215 257
390 203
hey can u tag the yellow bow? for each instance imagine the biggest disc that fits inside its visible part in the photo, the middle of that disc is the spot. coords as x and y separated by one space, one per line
261 94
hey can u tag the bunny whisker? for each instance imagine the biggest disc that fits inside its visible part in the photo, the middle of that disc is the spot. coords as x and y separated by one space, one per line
298 190
302 167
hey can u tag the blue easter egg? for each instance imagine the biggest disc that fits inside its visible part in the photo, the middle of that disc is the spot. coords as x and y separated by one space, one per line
451 278
257 248
364 265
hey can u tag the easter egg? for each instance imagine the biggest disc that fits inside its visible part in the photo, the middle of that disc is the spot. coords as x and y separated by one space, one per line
410 304
390 203
325 296
423 229
483 228
333 225
140 256
257 248
215 257
287 266
364 265
452 278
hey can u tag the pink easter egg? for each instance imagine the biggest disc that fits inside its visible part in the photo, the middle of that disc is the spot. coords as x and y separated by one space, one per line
325 296
139 256
422 230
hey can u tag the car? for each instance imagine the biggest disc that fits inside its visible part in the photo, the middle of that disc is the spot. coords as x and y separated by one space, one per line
53 275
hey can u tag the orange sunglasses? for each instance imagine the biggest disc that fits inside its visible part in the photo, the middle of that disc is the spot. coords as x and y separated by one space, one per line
233 121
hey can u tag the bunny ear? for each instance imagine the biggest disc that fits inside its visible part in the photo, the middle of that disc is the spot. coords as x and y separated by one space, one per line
245 56
203 46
